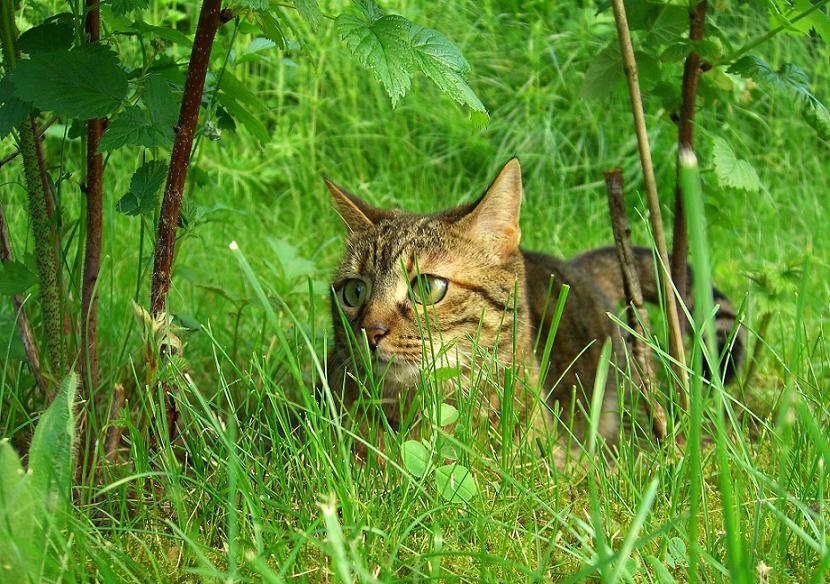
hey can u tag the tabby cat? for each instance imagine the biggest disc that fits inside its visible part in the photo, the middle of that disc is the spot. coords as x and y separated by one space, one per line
461 274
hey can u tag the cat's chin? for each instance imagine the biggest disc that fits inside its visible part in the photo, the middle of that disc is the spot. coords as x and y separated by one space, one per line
395 369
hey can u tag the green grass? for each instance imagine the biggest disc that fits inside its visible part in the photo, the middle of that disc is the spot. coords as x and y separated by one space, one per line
263 483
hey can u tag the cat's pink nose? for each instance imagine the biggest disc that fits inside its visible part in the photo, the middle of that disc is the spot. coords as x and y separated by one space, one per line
374 333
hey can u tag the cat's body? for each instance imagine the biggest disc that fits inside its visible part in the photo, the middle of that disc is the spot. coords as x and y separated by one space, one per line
461 275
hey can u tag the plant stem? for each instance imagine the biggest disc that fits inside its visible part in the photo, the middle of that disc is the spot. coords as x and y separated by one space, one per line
94 190
630 64
25 330
685 139
735 55
634 298
209 21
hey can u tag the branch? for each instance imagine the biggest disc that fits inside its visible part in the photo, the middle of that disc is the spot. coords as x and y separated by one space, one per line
209 21
634 299
630 64
94 190
686 139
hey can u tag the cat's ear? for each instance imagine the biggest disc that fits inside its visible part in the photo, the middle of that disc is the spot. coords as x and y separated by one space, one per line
356 213
495 217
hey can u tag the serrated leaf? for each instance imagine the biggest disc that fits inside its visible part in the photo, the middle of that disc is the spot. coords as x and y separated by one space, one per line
382 45
310 11
122 7
731 171
604 74
256 46
51 453
52 35
142 198
669 24
163 32
442 62
13 110
16 278
17 516
85 82
415 457
271 29
455 483
158 98
255 5
134 127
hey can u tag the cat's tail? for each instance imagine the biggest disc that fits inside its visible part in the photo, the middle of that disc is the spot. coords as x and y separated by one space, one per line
603 267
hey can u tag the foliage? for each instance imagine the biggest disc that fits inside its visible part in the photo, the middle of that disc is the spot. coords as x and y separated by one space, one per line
35 504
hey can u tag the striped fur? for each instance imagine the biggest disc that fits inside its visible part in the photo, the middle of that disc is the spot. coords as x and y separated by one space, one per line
497 299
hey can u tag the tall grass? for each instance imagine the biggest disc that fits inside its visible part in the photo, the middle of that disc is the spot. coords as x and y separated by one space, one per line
263 483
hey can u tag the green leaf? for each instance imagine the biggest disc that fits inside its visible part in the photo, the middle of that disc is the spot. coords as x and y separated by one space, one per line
455 483
17 516
52 35
149 127
163 32
604 75
309 10
13 110
142 198
15 278
237 111
381 44
85 83
259 44
51 453
448 415
122 7
255 5
731 171
415 457
271 28
443 63
670 23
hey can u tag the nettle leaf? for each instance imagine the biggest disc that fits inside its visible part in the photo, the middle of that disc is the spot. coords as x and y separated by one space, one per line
670 22
256 46
731 171
165 33
310 11
53 35
443 63
708 50
13 110
252 4
455 483
122 7
788 79
415 457
271 28
16 278
86 82
148 127
381 44
142 198
604 74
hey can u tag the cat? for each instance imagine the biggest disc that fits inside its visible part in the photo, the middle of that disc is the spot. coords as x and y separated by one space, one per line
461 273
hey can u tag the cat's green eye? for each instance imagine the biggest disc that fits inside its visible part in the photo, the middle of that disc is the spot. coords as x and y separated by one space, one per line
354 292
429 289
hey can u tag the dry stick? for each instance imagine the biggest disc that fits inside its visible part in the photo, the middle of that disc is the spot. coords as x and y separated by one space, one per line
210 18
94 190
686 139
675 331
25 330
209 21
634 299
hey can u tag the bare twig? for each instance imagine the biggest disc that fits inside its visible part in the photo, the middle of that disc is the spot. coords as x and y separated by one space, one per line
94 190
630 64
25 330
686 139
634 299
209 21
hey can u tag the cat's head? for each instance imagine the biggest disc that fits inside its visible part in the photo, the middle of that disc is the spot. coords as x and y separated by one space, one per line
419 286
